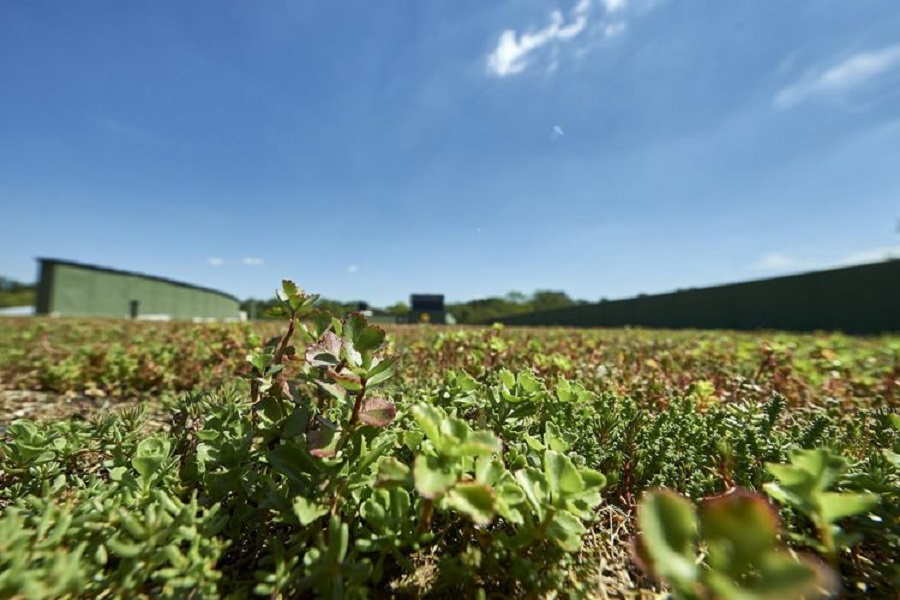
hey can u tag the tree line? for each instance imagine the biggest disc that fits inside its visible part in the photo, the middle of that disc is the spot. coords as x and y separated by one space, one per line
472 311
15 293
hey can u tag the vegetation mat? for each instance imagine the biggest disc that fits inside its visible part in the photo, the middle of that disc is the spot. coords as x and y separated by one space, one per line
316 456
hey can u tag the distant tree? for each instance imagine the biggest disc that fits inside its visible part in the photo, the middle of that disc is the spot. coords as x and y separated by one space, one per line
337 307
334 306
11 285
550 299
15 293
400 308
481 310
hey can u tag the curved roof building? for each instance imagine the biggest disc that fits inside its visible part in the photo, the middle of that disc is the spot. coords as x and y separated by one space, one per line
71 289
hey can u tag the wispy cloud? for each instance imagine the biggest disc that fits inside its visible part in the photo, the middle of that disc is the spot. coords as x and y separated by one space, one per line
777 262
353 269
215 261
615 5
127 131
614 29
511 56
253 261
869 256
840 78
518 51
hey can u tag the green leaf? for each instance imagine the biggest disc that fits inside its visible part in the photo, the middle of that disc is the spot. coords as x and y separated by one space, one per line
369 339
779 577
835 505
784 576
562 476
509 496
564 391
488 469
593 480
116 473
786 496
895 421
478 443
534 443
429 419
508 379
739 527
391 470
466 382
791 476
260 360
892 458
473 499
534 486
381 371
668 532
431 476
566 530
292 460
554 438
308 511
374 510
288 289
377 412
823 466
528 382
150 455
412 439
338 540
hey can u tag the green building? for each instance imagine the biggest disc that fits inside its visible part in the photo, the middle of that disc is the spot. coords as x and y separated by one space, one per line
71 289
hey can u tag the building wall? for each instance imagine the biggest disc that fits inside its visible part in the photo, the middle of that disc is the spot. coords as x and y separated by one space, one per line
428 316
74 290
863 299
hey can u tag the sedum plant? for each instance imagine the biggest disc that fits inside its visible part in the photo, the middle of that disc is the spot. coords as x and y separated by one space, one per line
340 463
805 485
728 548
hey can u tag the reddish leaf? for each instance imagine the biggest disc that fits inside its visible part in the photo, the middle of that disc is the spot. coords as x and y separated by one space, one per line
326 352
377 412
321 443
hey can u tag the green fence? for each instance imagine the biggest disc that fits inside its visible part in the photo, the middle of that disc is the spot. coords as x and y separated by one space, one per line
75 290
863 300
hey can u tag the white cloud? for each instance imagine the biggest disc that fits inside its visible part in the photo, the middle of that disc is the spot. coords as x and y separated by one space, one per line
869 256
511 56
252 261
848 74
614 29
353 269
776 262
615 5
215 261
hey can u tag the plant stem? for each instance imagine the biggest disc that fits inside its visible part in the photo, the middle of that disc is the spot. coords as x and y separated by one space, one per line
828 541
357 406
427 509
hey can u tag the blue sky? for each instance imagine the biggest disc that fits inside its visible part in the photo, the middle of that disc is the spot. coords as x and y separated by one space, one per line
375 149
